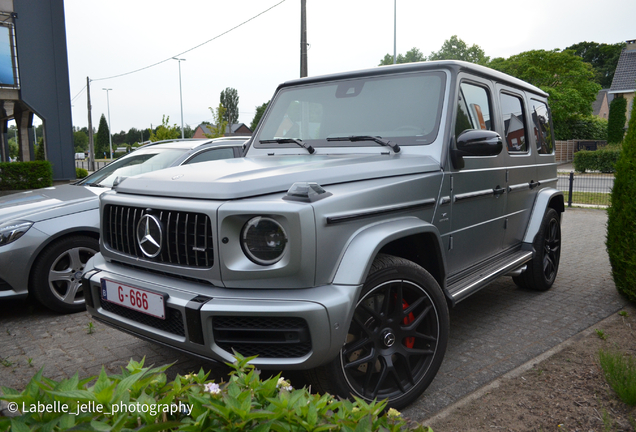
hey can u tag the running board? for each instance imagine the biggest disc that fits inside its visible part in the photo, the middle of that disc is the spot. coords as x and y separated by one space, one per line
472 283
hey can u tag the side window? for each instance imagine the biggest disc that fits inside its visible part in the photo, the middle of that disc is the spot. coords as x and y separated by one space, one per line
473 109
542 129
210 155
514 122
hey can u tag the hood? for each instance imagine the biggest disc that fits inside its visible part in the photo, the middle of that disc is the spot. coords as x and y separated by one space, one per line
245 177
46 203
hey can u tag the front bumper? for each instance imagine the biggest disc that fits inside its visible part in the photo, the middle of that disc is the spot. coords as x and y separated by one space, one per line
286 328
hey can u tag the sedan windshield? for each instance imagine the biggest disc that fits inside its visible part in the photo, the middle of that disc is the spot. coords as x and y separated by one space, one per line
404 108
139 162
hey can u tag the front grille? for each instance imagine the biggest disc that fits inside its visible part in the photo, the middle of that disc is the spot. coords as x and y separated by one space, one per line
172 324
266 337
186 237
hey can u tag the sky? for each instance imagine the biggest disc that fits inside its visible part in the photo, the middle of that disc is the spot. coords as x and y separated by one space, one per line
110 38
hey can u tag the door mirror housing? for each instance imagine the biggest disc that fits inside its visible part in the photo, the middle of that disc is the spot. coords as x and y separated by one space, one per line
476 142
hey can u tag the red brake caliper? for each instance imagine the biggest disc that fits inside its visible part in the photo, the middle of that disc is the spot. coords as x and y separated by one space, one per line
409 342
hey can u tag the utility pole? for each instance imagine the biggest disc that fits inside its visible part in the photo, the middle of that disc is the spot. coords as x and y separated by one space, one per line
91 146
303 38
394 31
110 135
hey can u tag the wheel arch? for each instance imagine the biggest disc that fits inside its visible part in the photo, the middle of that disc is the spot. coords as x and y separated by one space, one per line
546 198
409 238
90 232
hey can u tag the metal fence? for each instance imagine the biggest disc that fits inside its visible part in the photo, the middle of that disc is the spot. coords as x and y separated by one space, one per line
588 189
84 164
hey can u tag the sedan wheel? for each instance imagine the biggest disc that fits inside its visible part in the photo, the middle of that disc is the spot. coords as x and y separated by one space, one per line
57 273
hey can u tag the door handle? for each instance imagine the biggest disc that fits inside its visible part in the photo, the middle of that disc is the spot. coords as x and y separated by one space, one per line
498 191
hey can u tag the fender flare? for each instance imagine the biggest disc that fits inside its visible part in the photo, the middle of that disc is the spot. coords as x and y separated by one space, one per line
367 242
548 197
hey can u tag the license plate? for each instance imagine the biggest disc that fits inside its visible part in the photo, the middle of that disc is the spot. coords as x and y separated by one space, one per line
133 298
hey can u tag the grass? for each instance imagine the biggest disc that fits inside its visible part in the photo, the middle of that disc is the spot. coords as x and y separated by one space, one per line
588 198
601 334
620 373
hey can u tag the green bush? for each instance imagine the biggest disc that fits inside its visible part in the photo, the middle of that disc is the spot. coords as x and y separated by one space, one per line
616 120
621 228
142 399
589 128
80 173
620 374
603 159
25 175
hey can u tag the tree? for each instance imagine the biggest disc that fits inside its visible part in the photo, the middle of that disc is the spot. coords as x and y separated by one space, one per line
80 141
40 152
621 235
412 56
602 57
456 49
257 117
616 120
217 115
102 143
564 76
230 100
164 131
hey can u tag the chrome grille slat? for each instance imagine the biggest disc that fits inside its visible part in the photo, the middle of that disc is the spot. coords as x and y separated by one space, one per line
184 233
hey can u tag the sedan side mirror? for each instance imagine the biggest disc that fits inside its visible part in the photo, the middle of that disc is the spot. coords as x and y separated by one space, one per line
476 142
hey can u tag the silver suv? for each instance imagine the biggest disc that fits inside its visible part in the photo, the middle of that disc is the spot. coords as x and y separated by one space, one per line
368 203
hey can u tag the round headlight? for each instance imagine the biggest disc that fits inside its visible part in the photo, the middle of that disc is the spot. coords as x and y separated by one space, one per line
263 240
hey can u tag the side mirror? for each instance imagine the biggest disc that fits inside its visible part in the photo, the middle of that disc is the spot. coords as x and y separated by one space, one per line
476 142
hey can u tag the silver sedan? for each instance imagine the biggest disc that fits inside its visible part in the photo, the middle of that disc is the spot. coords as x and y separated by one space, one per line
47 235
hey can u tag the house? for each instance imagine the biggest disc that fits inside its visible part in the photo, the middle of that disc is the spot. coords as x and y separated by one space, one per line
238 129
624 82
600 107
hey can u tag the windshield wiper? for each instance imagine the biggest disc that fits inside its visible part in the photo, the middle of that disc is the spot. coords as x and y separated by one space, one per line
296 141
379 140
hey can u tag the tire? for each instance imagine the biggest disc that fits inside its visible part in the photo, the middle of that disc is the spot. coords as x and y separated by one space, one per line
542 269
56 280
394 348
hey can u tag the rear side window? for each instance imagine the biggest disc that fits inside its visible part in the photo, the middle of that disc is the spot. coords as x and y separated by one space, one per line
473 109
514 122
542 128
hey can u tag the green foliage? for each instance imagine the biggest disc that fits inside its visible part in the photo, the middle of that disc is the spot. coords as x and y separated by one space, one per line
230 100
412 56
80 141
244 403
588 128
603 159
456 49
218 130
260 110
564 76
602 57
40 151
616 120
80 173
102 142
165 131
25 175
621 220
620 374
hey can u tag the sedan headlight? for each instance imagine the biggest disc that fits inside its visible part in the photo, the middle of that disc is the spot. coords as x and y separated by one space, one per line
263 240
11 231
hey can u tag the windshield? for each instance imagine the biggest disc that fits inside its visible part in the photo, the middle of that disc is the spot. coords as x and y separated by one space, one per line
139 162
403 108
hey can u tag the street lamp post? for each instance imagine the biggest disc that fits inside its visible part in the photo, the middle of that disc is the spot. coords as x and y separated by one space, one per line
180 95
110 135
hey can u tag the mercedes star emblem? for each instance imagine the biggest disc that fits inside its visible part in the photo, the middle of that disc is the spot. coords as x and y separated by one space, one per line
149 235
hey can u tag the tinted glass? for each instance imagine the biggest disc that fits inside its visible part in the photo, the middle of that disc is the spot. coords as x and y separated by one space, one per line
514 123
542 127
211 155
405 109
473 109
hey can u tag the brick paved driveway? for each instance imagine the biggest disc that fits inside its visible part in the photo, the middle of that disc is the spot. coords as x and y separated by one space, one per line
492 332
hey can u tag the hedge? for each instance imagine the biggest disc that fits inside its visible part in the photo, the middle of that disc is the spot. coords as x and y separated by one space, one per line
142 399
603 160
25 175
